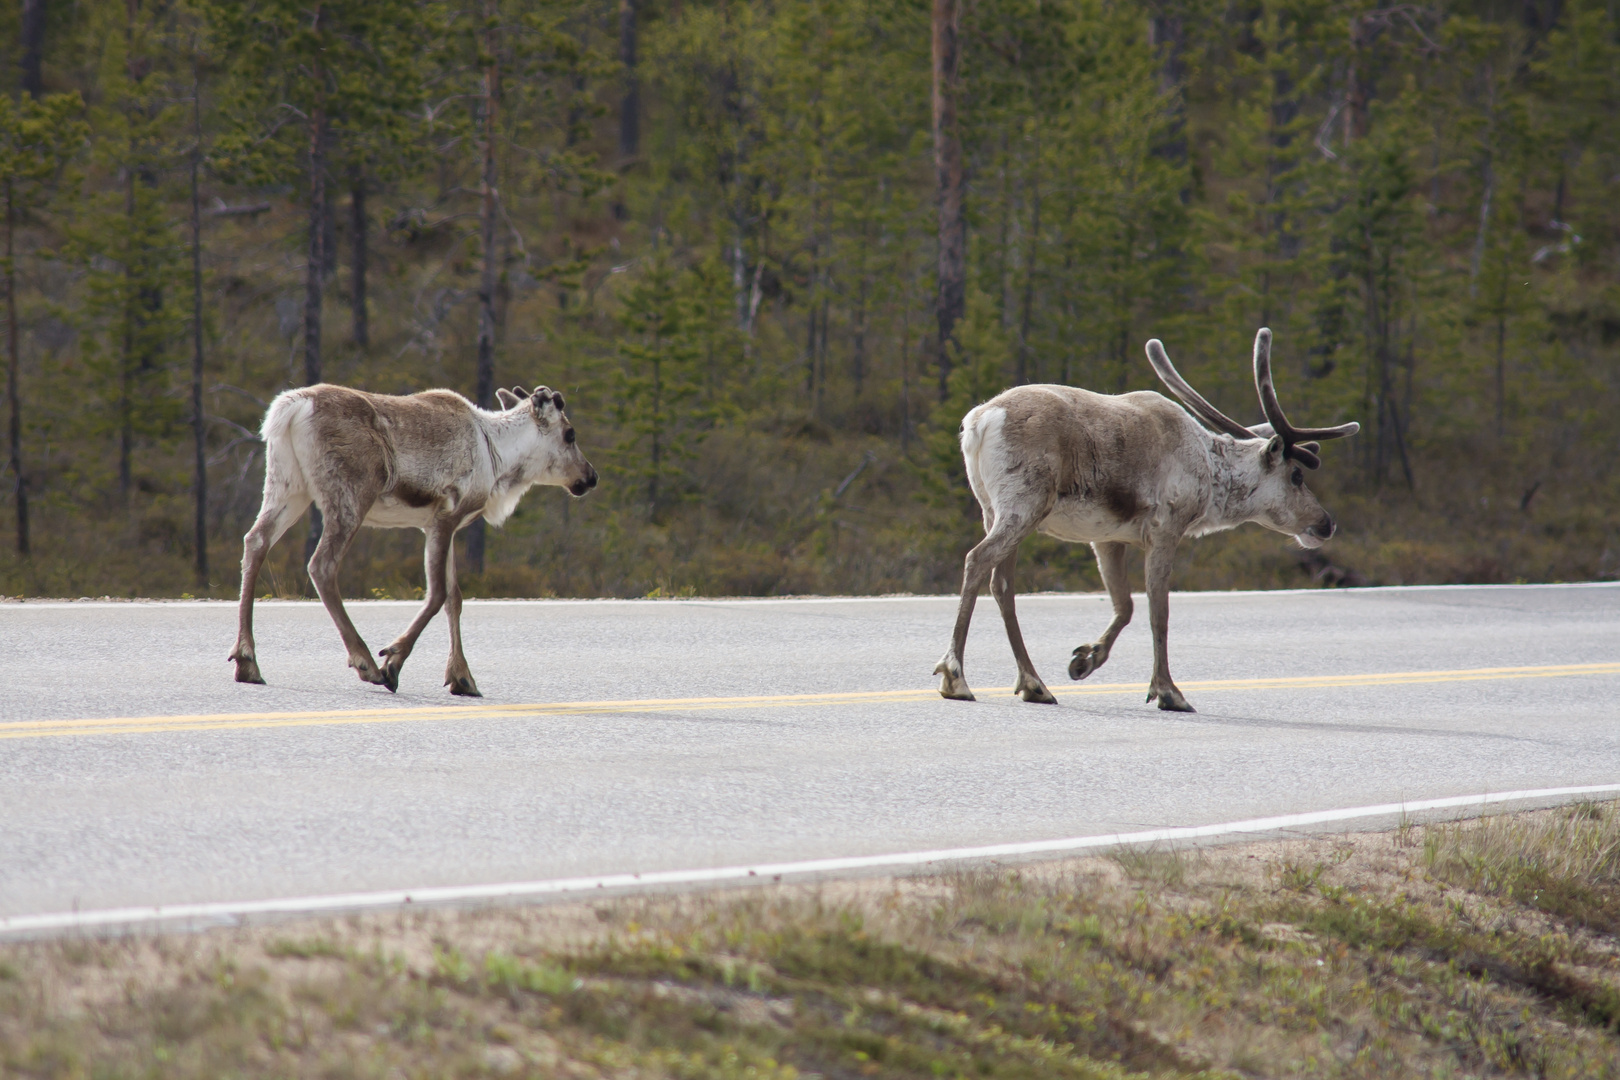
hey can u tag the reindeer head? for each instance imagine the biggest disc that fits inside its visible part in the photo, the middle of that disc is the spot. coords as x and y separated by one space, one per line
561 462
1282 452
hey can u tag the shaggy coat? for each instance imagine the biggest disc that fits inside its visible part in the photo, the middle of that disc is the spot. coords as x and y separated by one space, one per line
1134 469
432 461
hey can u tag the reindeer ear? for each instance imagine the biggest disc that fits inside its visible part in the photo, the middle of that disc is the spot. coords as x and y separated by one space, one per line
1264 431
520 393
1274 451
505 397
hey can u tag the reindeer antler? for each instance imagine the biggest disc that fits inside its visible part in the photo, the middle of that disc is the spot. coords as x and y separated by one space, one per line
1298 443
1194 401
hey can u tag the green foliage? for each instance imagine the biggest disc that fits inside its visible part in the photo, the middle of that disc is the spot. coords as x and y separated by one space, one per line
357 61
1418 202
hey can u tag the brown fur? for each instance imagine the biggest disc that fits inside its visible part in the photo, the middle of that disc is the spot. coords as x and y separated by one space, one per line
431 461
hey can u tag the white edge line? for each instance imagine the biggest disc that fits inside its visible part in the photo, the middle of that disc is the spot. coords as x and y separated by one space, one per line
231 911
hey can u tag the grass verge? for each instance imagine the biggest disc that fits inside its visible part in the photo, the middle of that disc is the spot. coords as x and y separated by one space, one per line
1479 948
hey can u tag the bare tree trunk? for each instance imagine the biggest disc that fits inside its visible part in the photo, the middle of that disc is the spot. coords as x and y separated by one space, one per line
1168 35
358 225
315 269
491 270
13 387
126 434
1027 312
199 483
1357 116
33 46
951 301
630 104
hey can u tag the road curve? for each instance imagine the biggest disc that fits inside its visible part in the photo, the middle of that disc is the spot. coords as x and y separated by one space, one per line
621 737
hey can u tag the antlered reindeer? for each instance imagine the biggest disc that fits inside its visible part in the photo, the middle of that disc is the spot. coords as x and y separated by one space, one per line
1129 469
432 461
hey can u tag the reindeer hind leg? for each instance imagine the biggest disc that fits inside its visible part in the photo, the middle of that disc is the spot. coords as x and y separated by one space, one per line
342 522
1001 541
282 506
1029 685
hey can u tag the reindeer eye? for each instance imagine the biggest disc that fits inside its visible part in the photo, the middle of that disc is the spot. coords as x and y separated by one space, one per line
1296 478
568 436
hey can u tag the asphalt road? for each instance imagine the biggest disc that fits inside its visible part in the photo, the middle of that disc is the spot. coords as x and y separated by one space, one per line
133 771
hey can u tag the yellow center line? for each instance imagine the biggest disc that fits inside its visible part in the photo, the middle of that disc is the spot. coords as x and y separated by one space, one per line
134 725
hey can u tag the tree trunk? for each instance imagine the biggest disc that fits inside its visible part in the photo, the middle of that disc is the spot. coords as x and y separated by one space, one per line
1168 35
126 420
358 225
199 483
630 104
33 46
491 270
13 375
951 301
315 269
1027 314
1357 116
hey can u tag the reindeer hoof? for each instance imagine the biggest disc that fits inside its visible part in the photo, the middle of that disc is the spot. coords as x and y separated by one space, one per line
247 670
1170 699
1087 658
952 684
1035 691
463 686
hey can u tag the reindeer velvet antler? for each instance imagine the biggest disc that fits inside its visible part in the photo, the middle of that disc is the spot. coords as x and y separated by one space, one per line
1194 401
1299 443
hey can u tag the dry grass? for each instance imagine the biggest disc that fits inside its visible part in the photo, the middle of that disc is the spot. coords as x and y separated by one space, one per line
1476 949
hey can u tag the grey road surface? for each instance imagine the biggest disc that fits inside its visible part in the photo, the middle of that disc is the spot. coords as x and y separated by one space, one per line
100 809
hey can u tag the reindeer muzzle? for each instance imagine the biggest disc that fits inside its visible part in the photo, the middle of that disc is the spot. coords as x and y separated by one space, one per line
580 487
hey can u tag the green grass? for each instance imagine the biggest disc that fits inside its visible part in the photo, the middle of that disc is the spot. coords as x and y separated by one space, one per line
1469 949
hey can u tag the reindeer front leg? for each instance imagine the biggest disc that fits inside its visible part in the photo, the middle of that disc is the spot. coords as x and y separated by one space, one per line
457 676
1161 559
434 550
1111 565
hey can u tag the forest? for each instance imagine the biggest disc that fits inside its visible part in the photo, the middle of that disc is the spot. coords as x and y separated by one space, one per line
772 250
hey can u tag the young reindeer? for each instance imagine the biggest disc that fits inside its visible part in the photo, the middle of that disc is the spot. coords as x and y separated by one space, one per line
1128 469
432 461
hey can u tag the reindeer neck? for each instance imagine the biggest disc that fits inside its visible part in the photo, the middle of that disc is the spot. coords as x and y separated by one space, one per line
1235 474
511 436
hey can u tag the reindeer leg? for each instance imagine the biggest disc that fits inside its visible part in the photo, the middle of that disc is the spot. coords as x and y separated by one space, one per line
434 550
1029 685
341 523
1161 558
1001 541
457 676
276 516
1111 564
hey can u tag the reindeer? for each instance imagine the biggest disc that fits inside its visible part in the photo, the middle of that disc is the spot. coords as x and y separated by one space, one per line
1129 469
432 461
